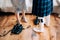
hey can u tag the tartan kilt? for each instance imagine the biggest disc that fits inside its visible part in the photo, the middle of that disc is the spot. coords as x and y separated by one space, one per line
42 8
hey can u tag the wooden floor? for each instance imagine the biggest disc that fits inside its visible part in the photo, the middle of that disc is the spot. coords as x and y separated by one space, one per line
28 34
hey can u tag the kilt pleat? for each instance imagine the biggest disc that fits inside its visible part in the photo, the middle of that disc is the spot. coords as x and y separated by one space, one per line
42 8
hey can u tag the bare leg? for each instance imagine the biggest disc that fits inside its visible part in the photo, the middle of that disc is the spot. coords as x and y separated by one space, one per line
23 16
17 16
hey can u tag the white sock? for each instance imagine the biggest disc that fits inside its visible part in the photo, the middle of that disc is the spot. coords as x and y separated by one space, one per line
47 20
41 23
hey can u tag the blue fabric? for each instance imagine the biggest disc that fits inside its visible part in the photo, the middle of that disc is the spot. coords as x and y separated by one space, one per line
42 8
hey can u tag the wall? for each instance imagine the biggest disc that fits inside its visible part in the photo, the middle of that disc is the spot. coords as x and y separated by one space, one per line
54 2
7 3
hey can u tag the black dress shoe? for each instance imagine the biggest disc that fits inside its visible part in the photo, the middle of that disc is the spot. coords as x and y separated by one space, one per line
17 29
36 21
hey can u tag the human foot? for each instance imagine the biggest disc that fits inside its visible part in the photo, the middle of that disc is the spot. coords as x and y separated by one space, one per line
24 19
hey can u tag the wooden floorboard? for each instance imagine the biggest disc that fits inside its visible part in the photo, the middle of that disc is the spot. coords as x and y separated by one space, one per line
8 22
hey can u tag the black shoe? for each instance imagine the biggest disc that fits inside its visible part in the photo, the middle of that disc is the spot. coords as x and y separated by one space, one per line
36 21
17 29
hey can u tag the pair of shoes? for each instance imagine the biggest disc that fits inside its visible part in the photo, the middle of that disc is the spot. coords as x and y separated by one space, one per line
36 21
17 29
24 19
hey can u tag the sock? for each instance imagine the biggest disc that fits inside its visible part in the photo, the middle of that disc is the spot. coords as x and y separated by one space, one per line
41 23
47 20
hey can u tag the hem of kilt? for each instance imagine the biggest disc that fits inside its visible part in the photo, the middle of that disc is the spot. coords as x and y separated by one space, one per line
40 15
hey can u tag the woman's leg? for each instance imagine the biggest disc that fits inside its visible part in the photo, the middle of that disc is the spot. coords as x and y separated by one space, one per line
17 26
23 16
17 17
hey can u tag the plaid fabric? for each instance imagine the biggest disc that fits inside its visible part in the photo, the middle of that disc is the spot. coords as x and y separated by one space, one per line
42 8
